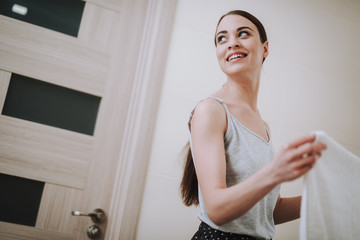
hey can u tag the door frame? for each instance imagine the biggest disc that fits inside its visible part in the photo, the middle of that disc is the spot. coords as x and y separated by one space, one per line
137 52
146 77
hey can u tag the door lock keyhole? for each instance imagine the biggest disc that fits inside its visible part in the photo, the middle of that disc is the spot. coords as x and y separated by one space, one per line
93 232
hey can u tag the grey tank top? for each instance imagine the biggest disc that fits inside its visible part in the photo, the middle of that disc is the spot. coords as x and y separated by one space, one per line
246 153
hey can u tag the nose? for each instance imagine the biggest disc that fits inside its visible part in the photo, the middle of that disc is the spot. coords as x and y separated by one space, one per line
234 43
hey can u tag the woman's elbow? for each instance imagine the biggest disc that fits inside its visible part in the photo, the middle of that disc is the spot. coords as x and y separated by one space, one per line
216 219
218 215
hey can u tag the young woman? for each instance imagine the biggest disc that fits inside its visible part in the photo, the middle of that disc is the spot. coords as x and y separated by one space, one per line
236 178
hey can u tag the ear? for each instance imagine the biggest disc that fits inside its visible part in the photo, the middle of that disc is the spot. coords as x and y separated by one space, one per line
266 49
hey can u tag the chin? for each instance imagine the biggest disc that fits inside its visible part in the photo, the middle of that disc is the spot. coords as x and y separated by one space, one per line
235 71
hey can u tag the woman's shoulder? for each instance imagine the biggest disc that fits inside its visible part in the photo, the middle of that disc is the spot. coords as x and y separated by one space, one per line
209 112
210 106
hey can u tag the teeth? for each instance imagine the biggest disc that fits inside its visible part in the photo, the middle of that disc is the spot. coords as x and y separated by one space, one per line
240 55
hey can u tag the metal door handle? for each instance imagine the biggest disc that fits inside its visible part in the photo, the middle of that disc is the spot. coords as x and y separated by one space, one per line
97 216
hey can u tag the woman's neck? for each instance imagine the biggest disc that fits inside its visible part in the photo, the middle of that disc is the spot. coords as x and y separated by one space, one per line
243 90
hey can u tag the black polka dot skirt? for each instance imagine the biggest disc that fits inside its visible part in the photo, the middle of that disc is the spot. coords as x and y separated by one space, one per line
206 232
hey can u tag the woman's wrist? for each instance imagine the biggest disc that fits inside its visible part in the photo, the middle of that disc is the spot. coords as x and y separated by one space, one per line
270 172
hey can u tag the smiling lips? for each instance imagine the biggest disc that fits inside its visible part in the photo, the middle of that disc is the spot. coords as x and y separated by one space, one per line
236 56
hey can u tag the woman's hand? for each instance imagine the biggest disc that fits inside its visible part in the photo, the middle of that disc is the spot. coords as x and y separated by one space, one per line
296 158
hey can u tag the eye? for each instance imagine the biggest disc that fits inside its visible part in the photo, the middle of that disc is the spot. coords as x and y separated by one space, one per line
243 34
221 38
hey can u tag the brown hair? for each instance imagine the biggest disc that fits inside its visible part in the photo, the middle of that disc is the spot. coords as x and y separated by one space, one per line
189 182
253 19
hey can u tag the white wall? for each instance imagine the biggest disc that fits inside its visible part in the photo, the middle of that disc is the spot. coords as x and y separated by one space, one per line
309 82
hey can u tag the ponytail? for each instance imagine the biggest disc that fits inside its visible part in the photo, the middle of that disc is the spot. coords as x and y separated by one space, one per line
189 182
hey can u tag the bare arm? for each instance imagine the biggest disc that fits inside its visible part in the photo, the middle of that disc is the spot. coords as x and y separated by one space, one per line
224 203
287 209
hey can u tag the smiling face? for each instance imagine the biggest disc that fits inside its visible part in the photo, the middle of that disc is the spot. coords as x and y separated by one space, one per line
238 45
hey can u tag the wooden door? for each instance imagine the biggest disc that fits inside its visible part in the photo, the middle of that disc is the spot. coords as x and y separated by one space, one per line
118 56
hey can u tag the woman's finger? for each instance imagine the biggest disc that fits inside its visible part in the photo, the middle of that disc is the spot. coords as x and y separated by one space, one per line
303 170
303 165
301 141
305 161
308 150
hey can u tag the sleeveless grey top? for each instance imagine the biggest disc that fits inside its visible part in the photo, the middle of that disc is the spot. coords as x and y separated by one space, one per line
246 153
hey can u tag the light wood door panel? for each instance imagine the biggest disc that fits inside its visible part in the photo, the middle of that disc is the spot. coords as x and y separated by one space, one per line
99 37
4 84
51 56
58 201
114 5
15 232
44 153
115 58
24 146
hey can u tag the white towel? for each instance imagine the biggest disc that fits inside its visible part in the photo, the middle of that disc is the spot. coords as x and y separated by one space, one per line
330 206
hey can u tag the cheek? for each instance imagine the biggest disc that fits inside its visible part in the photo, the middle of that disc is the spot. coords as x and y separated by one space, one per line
220 54
258 48
221 61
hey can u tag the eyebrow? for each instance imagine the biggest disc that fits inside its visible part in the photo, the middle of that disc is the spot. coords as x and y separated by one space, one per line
238 30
